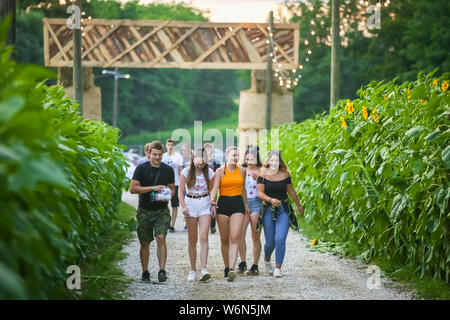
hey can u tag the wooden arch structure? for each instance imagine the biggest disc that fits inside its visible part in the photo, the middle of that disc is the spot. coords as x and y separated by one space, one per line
171 44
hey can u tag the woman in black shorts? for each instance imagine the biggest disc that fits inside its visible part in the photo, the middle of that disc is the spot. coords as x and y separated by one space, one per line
230 208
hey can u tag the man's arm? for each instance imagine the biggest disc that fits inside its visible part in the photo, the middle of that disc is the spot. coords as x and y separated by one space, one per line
135 188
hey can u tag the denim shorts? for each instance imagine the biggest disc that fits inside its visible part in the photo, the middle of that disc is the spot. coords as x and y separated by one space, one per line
254 205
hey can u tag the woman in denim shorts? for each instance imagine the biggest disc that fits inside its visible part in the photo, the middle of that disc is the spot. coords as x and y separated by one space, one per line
252 165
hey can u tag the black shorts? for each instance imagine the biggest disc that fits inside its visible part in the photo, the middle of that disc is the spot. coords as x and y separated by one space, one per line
228 205
174 202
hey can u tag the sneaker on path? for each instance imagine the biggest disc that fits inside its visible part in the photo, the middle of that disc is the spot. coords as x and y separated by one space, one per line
171 229
204 275
192 275
242 267
231 275
269 267
277 273
226 270
145 276
162 277
254 271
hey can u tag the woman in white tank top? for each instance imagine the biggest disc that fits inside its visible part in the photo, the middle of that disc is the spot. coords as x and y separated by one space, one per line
196 181
252 165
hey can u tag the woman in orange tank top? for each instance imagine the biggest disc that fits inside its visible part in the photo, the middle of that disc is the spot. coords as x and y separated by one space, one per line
231 208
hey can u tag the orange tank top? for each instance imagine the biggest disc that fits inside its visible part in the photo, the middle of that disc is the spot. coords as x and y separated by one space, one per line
231 183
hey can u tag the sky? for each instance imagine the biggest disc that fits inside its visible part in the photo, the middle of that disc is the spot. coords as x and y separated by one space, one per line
233 10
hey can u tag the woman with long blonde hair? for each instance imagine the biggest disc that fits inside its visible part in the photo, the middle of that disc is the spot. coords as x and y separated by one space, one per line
195 184
231 208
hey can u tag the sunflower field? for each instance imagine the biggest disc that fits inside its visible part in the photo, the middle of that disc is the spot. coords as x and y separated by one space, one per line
375 172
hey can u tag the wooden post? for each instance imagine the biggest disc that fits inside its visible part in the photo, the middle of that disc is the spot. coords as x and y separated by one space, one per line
269 75
335 67
77 68
115 108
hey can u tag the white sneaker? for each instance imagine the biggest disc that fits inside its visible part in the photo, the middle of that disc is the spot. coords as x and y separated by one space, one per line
204 275
269 267
277 273
231 276
192 275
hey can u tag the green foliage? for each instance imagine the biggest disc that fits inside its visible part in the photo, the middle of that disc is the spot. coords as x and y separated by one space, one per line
381 183
411 39
60 182
101 277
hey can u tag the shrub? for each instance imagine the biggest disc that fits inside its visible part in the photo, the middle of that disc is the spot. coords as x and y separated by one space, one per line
60 181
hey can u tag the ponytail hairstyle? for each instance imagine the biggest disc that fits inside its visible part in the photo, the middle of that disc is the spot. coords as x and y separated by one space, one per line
198 153
254 150
227 151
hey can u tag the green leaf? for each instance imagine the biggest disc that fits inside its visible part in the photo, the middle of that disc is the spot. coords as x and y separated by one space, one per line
446 154
339 151
414 131
432 136
10 107
344 177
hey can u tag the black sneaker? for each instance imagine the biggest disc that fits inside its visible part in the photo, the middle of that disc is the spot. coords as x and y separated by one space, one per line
253 270
226 272
213 230
162 277
171 229
242 267
146 276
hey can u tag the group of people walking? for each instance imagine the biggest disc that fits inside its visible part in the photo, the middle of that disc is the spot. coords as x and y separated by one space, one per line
232 194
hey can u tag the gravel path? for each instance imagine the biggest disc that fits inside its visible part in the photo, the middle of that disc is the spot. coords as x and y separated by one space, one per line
306 274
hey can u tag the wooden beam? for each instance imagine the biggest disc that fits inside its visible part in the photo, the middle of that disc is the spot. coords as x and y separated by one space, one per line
46 46
154 31
173 46
214 47
276 44
251 51
55 38
103 38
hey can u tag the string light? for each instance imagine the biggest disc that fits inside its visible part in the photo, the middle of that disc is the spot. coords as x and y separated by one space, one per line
283 76
379 3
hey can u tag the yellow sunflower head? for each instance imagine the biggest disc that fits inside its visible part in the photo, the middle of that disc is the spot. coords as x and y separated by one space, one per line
445 86
365 113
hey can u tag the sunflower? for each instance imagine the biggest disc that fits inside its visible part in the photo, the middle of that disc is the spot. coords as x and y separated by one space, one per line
343 123
375 117
314 242
365 113
409 91
422 102
435 82
445 86
350 108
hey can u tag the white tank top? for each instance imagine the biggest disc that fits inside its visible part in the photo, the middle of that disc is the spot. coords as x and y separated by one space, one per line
250 186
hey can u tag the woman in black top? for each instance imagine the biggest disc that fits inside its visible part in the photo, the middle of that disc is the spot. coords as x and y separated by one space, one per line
274 185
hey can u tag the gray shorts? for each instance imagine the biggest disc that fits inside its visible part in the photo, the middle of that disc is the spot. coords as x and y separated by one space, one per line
254 205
